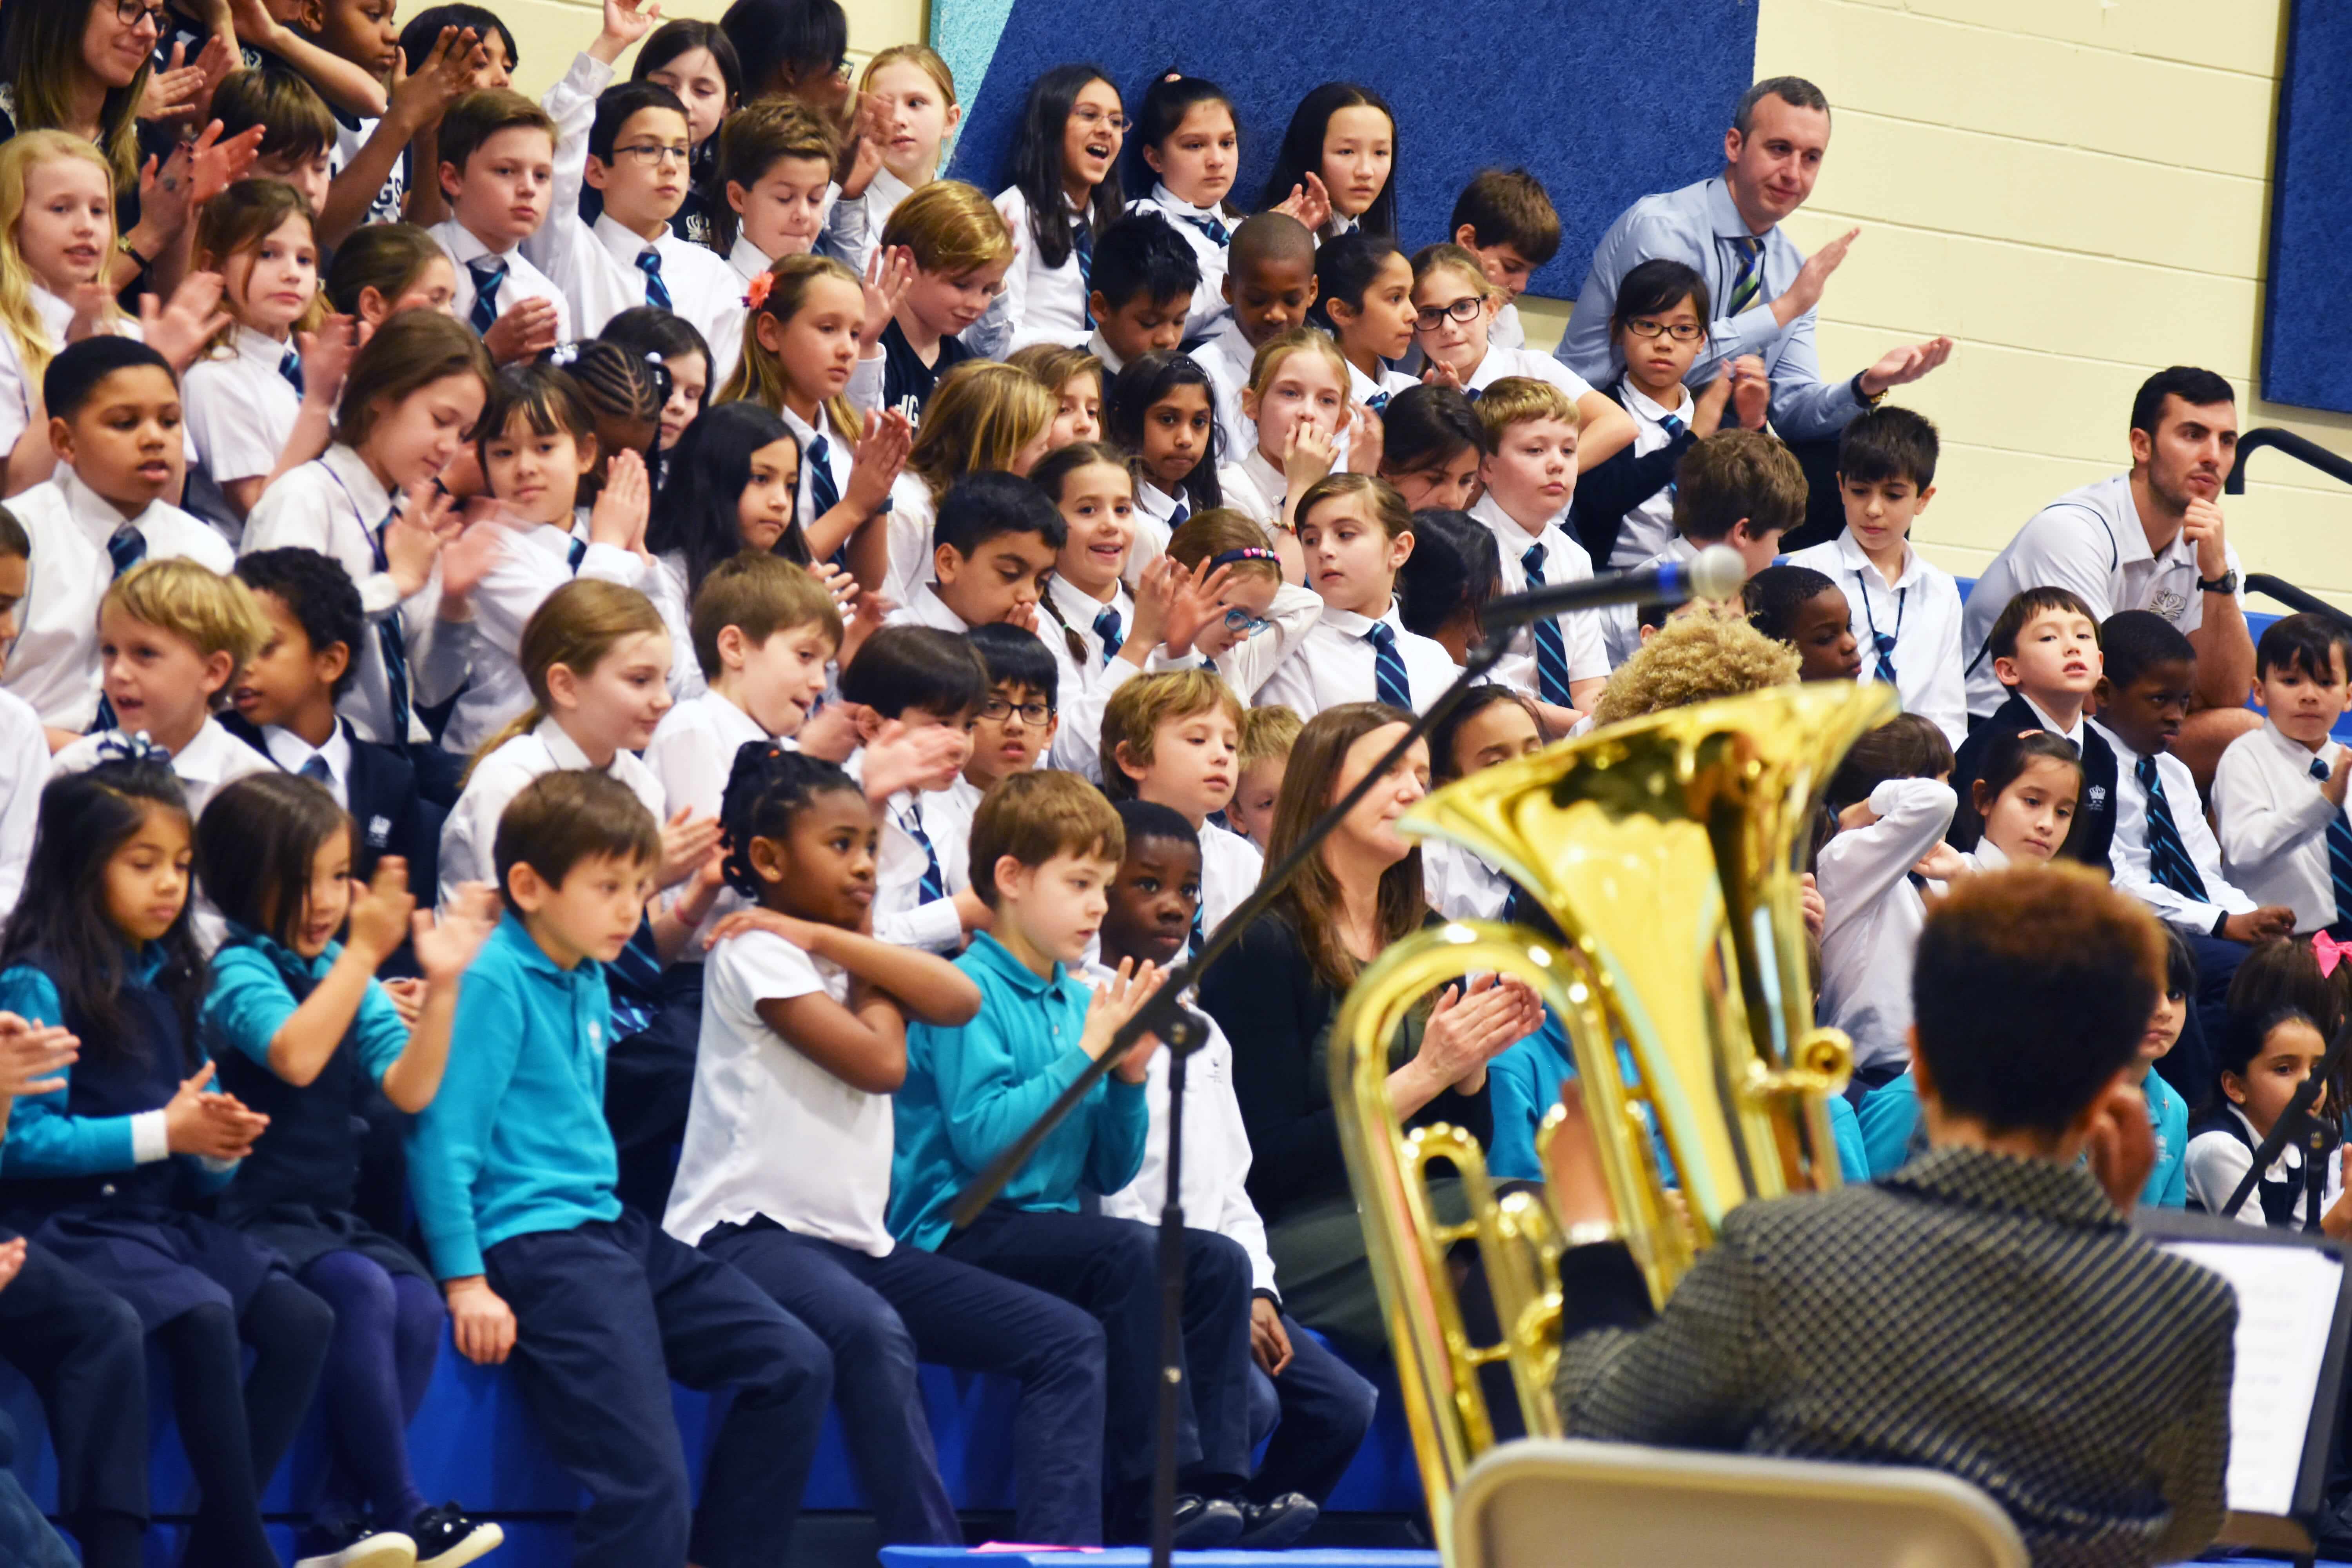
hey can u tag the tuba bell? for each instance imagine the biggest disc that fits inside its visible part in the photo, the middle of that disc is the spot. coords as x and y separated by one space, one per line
1665 849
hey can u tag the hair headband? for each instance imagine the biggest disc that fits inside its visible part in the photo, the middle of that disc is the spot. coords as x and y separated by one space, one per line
1247 553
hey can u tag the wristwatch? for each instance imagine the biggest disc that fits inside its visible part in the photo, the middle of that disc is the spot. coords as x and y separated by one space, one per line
2227 582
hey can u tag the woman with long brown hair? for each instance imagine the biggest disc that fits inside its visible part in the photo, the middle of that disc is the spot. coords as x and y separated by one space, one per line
1277 990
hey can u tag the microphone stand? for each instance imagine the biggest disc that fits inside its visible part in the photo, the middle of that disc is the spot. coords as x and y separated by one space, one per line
1183 1030
2298 1124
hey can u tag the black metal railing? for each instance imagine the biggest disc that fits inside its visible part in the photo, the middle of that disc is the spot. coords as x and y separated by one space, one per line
2286 593
2297 447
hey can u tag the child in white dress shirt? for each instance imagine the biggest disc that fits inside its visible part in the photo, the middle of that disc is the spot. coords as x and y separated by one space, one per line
114 428
1161 412
389 267
773 179
2263 1061
1075 377
1363 298
655 335
23 747
1454 305
913 95
924 687
801 349
1140 287
1268 288
1017 723
1233 611
1064 191
1626 507
2279 791
730 491
695 61
1503 218
1186 130
250 403
1332 171
1174 739
1297 400
498 164
1357 532
1806 610
1738 487
994 547
415 389
1529 474
985 418
1095 631
1432 446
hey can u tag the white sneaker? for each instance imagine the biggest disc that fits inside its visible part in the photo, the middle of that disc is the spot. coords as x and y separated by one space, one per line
377 1549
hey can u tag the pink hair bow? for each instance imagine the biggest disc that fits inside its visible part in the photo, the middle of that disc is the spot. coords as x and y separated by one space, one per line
2329 952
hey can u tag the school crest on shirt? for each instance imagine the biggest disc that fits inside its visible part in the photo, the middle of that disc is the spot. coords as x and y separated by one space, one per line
2169 604
379 832
2097 800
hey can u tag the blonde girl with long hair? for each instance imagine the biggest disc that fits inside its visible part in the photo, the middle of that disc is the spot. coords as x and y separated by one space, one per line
801 343
986 418
909 87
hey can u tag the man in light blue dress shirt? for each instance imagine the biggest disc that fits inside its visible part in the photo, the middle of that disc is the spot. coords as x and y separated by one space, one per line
1764 289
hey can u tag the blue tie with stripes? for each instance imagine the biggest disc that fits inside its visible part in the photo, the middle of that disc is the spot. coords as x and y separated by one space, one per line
1217 232
2168 858
1107 629
1082 246
1551 648
2339 859
657 291
127 547
934 884
391 642
1749 279
289 365
1377 402
488 276
1389 681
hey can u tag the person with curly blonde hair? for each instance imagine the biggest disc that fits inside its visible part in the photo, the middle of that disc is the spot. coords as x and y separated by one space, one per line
1696 657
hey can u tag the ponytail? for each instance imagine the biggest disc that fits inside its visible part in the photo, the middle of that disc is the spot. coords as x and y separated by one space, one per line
761 376
579 624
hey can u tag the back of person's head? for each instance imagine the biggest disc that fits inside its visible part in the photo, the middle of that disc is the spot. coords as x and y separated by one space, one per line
389 258
2286 971
1133 717
981 507
1888 443
918 669
2001 641
256 845
1773 597
1454 568
1141 256
620 103
296 124
2131 640
1427 428
1507 206
477 117
1696 657
649 333
2309 644
422 30
404 355
753 140
1035 815
2076 967
1907 746
1268 735
563 819
2006 757
575 626
1516 399
61 912
1654 288
951 229
758 595
1014 657
780 42
983 414
2196 388
1737 475
210 613
74 375
318 594
14 542
698 513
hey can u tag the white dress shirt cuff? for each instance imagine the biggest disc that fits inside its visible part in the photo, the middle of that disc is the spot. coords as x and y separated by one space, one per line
149 1140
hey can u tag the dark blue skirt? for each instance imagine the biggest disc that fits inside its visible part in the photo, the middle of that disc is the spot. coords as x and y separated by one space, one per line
163 1261
302 1234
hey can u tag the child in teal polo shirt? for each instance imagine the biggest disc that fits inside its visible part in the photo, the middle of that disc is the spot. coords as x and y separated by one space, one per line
512 1170
1044 846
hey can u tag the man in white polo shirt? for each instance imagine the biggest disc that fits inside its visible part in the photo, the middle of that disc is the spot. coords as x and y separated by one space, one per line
2148 540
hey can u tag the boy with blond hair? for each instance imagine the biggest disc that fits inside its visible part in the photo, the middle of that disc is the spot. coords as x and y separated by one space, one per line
1530 473
1268 735
1174 739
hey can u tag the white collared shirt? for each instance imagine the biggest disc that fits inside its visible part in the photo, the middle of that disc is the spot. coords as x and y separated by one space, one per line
1373 391
1649 527
1333 664
472 830
1084 683
20 392
24 769
1621 625
901 914
839 458
1875 915
1507 331
54 664
1113 362
335 505
533 561
1226 356
240 408
1459 885
2274 824
1192 223
884 192
1564 561
2127 853
906 532
1042 304
212 758
693 750
1256 488
1216 1151
1501 362
292 753
2090 540
1920 610
926 608
1230 868
769 1132
522 280
2218 1162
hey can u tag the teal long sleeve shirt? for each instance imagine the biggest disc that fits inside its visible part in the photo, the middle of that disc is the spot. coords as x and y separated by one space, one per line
971 1091
515 1143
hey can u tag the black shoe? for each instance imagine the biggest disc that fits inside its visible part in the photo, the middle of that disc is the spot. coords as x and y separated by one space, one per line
446 1538
1206 1524
1269 1526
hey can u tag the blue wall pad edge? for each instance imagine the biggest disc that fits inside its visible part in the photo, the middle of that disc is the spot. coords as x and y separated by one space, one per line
2307 333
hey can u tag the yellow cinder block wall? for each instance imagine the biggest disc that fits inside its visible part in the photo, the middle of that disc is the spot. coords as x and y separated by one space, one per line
2076 191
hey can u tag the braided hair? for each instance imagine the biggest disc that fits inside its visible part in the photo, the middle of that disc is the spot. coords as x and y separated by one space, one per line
767 787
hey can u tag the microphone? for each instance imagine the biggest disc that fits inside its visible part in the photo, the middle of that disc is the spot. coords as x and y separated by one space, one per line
1714 573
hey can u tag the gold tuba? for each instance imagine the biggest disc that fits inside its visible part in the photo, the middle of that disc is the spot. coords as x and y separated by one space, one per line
1666 849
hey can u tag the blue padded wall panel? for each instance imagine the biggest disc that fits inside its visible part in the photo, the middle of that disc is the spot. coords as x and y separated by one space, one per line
2307 331
1605 101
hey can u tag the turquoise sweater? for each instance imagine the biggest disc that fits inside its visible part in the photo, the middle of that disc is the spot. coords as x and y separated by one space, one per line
970 1092
1890 1116
515 1143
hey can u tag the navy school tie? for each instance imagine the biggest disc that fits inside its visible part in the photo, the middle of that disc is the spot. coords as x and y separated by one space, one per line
1107 629
1218 233
2339 859
392 643
1082 246
2168 864
289 365
1749 279
934 884
317 768
576 554
657 291
1377 402
1389 683
488 275
823 494
127 547
1551 648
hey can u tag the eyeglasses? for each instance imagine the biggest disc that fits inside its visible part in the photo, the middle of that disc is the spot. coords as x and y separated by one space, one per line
1088 115
130 12
655 152
996 710
1243 624
1465 311
1680 331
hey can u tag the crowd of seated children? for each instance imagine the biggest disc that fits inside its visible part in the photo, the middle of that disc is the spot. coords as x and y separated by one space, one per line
826 638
